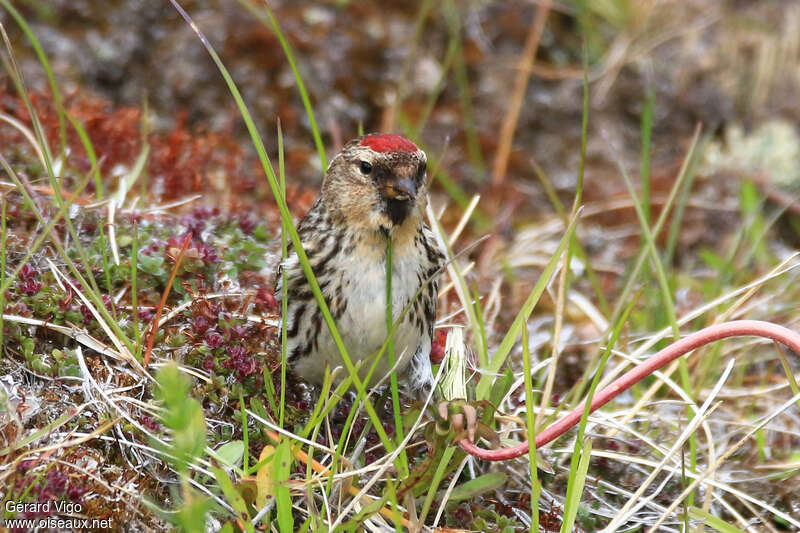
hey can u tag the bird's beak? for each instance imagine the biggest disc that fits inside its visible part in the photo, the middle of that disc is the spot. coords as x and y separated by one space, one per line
400 189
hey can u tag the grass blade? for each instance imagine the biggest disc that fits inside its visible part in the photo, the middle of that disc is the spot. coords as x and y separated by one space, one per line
51 80
572 500
301 87
494 364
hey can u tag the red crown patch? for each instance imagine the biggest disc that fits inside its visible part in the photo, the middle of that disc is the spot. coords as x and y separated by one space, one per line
388 142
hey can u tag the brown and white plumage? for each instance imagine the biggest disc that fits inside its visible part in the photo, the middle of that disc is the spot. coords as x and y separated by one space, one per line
375 188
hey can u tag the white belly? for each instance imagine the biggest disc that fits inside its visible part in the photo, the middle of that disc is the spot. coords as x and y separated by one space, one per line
362 326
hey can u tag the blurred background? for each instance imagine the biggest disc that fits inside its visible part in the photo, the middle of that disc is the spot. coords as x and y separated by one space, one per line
444 70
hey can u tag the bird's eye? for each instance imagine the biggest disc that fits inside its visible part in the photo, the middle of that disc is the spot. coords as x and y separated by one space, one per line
422 168
365 167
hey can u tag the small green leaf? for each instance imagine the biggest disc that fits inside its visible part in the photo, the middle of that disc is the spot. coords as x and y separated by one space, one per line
498 391
182 415
124 241
191 515
69 369
257 407
231 453
260 233
151 264
480 485
712 521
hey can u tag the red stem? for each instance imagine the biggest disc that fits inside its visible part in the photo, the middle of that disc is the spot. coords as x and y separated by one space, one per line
737 328
154 327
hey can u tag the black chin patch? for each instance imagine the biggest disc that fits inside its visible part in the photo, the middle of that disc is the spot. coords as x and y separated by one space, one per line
397 210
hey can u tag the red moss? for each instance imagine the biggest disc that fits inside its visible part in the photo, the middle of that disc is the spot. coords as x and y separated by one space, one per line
247 223
240 361
150 423
20 309
28 273
181 160
54 485
26 281
115 132
214 339
30 287
184 159
265 300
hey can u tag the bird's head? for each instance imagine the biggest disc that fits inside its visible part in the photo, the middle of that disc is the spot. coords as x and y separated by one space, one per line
377 182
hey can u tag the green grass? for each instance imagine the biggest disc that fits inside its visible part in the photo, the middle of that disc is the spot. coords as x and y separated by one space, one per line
284 288
511 336
470 308
398 422
51 80
270 20
530 426
669 307
137 334
644 167
582 451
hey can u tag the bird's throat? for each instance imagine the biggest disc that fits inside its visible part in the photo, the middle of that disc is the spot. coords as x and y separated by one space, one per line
398 210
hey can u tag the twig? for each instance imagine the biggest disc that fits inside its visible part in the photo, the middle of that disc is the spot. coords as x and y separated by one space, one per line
500 164
736 328
154 328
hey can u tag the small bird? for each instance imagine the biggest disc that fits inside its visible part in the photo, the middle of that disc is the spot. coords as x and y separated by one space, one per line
375 189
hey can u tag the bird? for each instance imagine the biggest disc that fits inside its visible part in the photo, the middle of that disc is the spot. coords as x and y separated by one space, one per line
375 189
